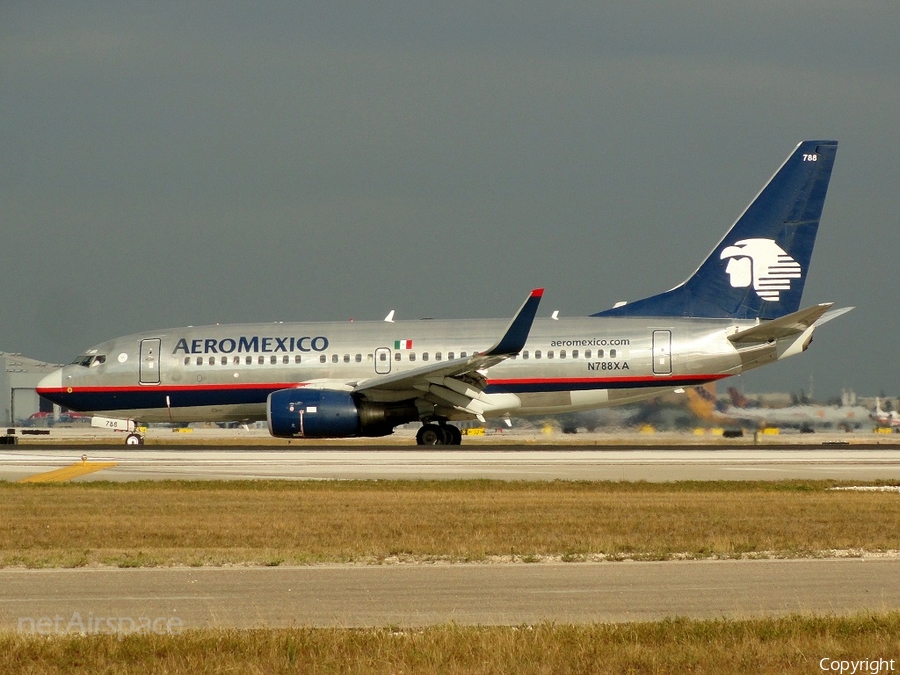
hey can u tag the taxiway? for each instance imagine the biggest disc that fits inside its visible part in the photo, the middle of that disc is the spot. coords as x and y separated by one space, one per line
121 463
415 595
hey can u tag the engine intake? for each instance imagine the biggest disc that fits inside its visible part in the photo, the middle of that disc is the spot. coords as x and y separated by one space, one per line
321 413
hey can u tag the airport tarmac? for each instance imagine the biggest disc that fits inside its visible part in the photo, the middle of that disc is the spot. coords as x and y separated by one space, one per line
713 462
415 595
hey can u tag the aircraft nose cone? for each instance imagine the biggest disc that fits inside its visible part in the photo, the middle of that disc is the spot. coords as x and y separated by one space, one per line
51 382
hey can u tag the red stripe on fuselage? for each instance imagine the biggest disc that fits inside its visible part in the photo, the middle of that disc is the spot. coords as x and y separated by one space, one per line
661 379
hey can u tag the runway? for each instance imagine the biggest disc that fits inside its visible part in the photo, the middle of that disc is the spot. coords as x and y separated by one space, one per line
121 463
417 595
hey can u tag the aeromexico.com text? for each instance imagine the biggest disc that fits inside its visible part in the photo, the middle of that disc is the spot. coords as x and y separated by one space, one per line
592 342
251 345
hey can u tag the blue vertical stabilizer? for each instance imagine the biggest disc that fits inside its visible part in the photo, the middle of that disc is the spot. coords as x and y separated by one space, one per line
759 268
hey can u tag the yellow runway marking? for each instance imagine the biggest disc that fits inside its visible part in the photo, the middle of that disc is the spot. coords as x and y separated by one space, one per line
67 472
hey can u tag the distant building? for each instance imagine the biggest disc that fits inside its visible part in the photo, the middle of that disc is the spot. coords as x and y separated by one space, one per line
19 377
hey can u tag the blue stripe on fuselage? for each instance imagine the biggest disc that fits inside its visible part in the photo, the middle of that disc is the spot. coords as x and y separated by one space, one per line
146 398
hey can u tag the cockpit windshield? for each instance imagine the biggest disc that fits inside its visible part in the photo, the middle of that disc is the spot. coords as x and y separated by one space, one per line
89 360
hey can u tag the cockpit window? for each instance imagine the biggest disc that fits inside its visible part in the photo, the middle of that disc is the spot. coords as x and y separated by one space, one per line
89 360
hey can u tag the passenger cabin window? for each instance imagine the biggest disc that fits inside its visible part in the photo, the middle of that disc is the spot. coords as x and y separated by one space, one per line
412 356
323 359
334 358
224 360
599 353
437 356
525 354
346 358
449 356
237 360
424 356
587 353
249 360
537 353
297 358
261 360
612 353
359 358
187 360
397 356
562 353
212 360
574 353
462 355
199 360
550 354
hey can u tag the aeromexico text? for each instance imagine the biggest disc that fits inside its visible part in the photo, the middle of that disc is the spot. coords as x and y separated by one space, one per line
251 345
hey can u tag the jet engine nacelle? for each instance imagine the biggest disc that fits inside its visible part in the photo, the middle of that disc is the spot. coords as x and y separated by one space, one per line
322 413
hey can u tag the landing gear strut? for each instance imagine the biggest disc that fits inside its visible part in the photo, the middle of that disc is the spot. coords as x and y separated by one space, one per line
438 434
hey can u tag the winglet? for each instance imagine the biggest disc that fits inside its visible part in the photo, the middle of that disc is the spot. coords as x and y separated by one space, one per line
517 332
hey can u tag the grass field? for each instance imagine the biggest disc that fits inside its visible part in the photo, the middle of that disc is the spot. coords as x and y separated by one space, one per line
796 644
281 522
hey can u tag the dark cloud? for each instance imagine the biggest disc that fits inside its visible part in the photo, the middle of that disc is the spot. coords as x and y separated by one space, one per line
191 165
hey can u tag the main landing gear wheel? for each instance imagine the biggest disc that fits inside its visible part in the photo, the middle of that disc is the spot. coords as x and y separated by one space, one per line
438 434
430 434
134 439
454 435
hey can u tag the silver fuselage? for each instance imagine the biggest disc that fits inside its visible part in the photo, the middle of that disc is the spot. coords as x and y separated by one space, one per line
225 372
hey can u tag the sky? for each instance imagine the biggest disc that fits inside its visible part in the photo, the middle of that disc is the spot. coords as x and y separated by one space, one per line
167 164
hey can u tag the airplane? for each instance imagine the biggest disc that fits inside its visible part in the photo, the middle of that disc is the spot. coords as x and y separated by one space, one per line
738 311
885 418
806 417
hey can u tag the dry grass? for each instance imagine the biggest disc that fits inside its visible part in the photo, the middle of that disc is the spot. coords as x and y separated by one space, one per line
785 645
270 523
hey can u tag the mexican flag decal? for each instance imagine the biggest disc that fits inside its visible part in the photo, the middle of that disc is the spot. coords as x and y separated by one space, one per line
402 344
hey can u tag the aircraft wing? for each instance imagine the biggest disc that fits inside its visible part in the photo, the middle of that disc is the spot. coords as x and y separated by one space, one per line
787 326
457 383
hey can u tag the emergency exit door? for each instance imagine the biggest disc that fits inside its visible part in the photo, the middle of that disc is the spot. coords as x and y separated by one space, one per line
150 361
662 352
382 361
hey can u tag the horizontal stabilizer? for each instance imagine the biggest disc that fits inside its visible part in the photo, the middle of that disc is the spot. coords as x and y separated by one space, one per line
833 314
783 327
